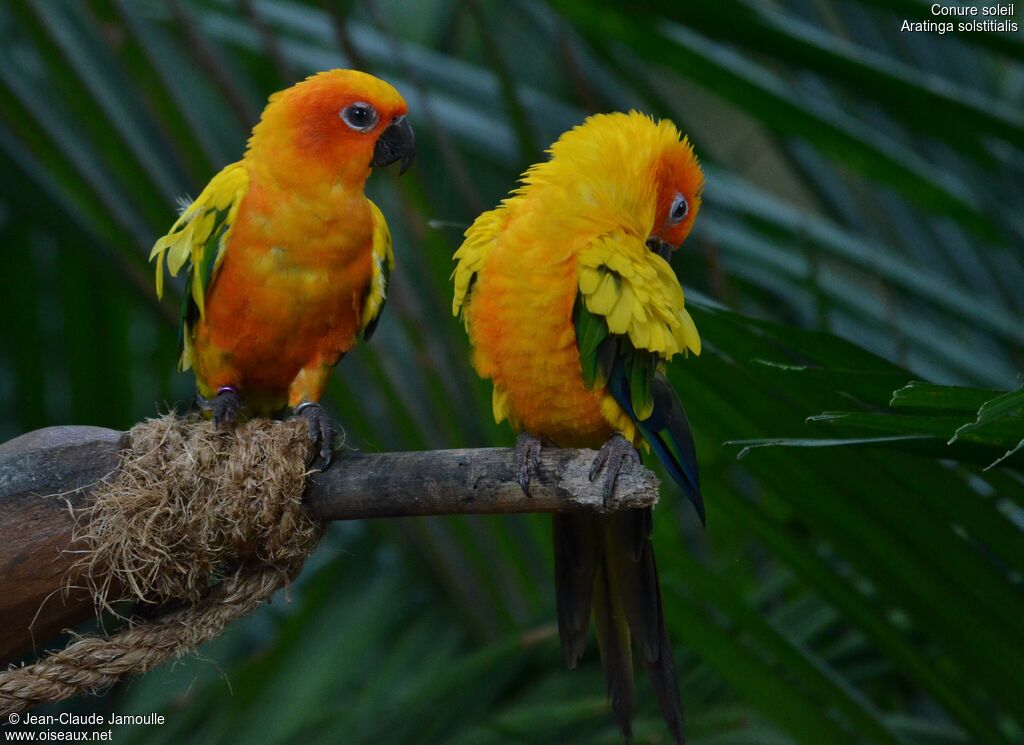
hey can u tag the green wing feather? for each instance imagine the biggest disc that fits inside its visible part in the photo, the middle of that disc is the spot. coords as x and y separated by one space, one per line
633 377
630 318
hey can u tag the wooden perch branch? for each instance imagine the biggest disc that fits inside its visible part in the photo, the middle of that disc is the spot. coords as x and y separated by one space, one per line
45 475
467 482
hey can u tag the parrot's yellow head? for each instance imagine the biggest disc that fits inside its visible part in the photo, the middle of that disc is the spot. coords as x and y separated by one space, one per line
342 121
627 171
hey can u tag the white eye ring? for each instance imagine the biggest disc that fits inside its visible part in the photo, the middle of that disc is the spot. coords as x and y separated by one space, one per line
679 210
360 116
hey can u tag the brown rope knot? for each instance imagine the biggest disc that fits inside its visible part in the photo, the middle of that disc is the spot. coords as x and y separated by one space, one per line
209 519
190 502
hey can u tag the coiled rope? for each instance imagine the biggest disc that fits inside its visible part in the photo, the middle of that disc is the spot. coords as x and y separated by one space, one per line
205 524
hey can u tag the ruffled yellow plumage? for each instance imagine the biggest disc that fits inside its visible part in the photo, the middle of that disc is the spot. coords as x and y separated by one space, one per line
576 227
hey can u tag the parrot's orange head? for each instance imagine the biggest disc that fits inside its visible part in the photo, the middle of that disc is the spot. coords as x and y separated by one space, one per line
343 120
678 180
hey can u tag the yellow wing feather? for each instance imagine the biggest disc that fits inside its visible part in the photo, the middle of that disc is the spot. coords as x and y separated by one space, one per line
383 263
199 238
470 257
637 294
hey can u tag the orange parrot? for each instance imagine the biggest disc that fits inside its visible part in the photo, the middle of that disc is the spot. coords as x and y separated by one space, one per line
288 260
572 310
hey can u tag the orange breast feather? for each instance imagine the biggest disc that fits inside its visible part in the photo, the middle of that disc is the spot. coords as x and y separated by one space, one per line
520 323
289 293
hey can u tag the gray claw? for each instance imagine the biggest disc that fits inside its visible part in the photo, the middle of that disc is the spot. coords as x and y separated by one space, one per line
321 432
527 456
225 406
616 452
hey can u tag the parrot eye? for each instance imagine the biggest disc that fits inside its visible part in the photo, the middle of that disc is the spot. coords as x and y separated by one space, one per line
360 116
680 208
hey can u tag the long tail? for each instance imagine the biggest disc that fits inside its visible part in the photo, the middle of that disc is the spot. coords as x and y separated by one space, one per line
607 563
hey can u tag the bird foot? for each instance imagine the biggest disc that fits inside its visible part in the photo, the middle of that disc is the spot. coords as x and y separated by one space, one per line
321 432
613 455
225 406
527 456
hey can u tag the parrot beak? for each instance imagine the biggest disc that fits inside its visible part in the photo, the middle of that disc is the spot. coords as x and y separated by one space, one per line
395 143
660 247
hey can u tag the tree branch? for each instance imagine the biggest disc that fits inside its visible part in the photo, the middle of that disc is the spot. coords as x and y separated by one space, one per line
45 475
467 482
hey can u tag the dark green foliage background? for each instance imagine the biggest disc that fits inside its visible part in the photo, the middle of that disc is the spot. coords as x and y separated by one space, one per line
862 229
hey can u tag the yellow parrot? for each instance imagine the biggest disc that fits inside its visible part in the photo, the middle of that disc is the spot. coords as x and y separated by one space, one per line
287 259
572 310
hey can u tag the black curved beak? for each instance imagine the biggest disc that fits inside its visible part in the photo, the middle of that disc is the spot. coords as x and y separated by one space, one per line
660 247
395 143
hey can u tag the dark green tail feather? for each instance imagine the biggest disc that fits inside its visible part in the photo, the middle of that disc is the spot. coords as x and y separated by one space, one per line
575 556
613 640
607 561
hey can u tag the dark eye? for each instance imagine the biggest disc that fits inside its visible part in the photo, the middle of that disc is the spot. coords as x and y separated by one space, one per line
360 116
679 209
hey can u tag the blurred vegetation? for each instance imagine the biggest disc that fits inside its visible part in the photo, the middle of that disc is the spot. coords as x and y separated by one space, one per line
862 233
